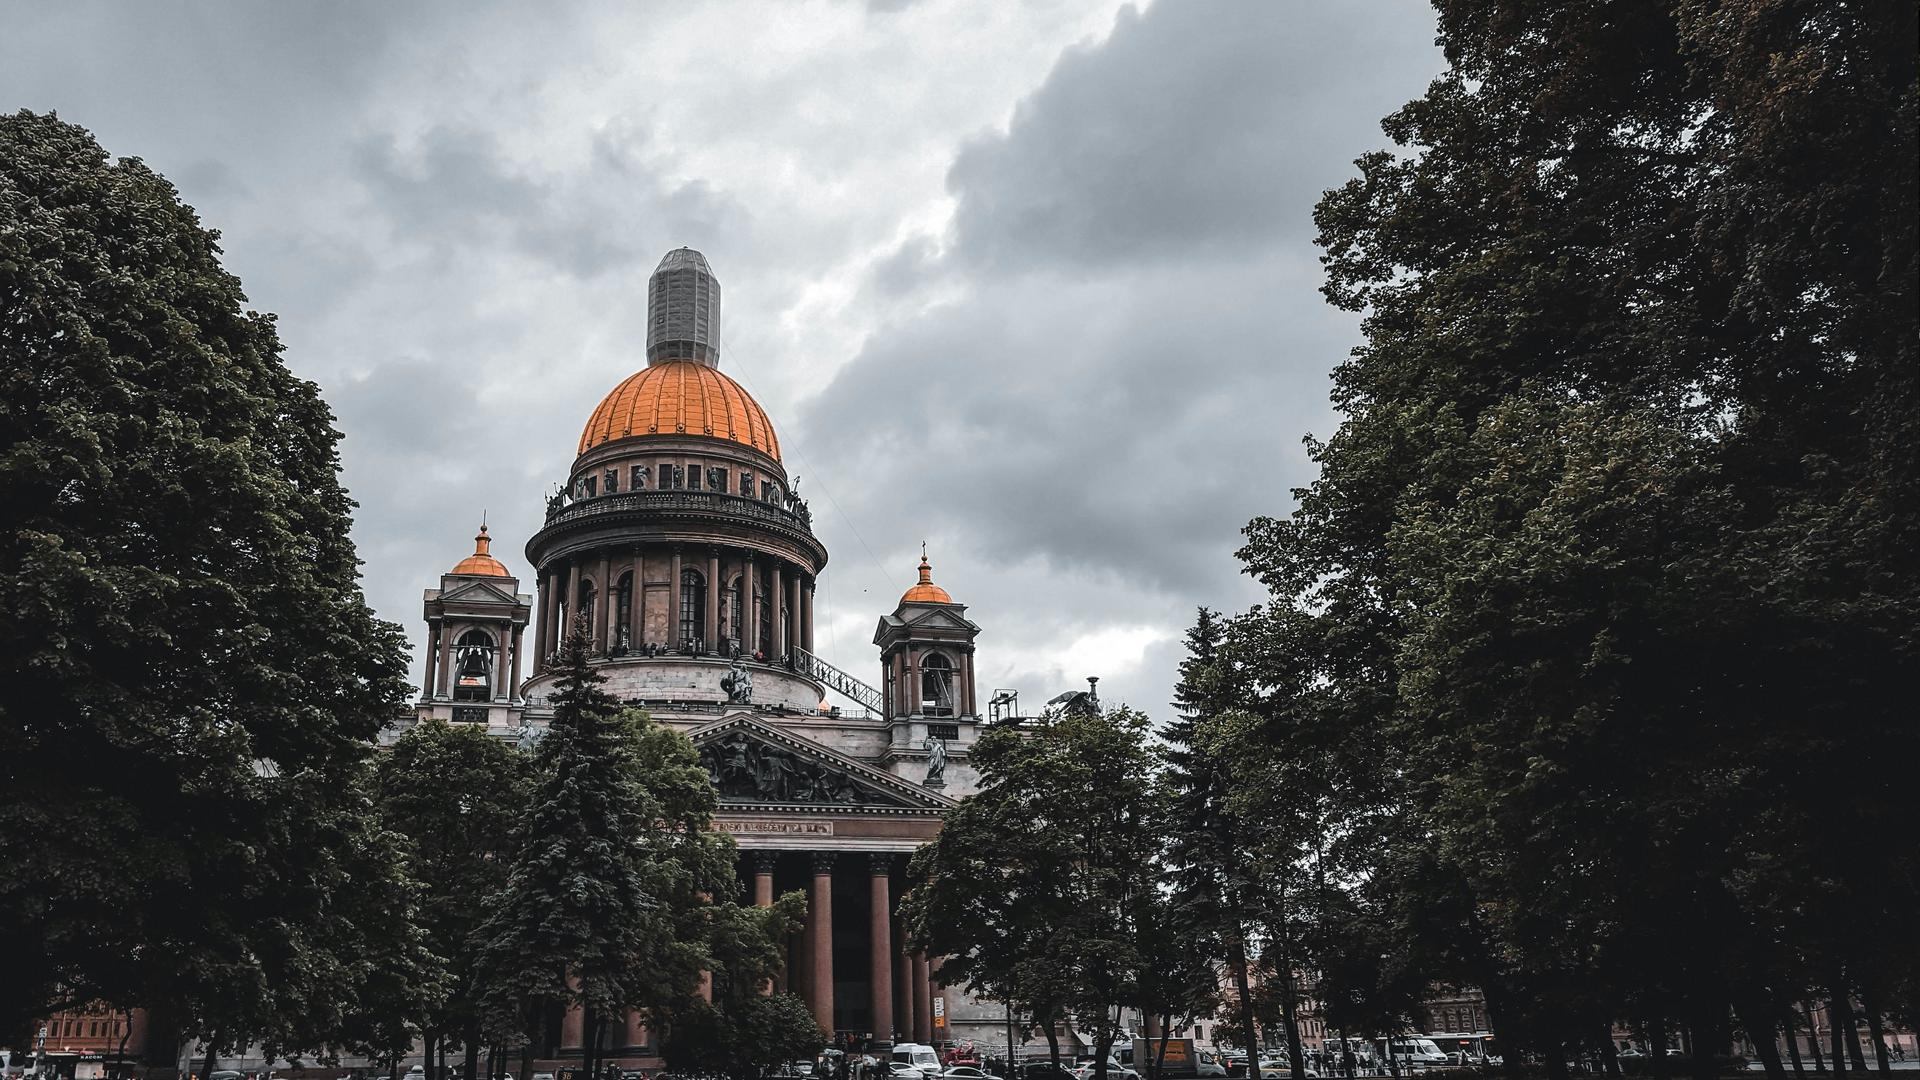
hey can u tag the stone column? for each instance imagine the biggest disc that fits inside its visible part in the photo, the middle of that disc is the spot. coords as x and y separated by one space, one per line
543 585
881 930
519 638
636 1029
777 598
602 594
750 605
794 640
673 602
806 617
902 963
967 687
916 694
922 1000
573 1028
637 600
432 665
821 932
763 864
713 599
571 613
502 659
445 661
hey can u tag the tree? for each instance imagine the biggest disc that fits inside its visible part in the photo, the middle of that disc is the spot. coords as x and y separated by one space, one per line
745 1032
194 677
1614 542
1036 888
454 793
605 903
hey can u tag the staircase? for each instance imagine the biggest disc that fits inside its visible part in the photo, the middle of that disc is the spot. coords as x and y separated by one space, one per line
838 681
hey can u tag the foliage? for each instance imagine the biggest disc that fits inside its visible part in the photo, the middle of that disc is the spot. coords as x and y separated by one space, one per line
193 675
745 1032
1609 565
1038 888
605 903
454 793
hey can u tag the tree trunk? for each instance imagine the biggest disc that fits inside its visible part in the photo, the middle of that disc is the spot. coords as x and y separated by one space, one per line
1244 990
206 1060
1760 1033
1793 1043
1705 1044
1053 1043
428 1066
1813 1041
1609 1053
1657 1040
1103 1044
1166 1034
470 1069
1289 1012
1879 1034
1840 1020
1556 1061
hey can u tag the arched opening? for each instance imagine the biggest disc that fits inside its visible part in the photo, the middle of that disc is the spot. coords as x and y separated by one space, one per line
623 614
936 685
473 666
693 607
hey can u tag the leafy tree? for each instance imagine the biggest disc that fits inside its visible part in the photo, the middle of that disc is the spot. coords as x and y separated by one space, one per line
744 1032
455 794
194 677
605 903
1037 887
1614 542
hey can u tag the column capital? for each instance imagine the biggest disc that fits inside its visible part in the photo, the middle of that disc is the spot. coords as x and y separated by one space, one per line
823 862
880 865
765 861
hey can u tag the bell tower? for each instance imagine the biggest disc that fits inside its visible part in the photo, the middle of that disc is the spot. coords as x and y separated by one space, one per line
475 622
927 687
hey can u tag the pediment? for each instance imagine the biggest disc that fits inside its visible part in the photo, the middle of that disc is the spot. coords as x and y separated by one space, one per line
478 591
938 619
754 763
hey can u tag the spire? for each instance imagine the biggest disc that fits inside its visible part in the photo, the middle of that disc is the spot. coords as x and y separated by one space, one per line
926 592
482 542
481 563
683 310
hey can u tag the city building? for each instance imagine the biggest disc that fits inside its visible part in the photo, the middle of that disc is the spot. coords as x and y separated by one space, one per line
678 544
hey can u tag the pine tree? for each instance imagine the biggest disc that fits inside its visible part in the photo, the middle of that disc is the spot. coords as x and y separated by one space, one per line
605 904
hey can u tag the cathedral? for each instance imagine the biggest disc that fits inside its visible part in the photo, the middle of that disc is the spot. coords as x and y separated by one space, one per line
680 542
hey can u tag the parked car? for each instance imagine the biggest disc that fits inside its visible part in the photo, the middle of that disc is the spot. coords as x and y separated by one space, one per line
900 1070
963 1072
541 1076
1044 1070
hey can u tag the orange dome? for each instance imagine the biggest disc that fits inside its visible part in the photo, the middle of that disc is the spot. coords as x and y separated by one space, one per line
480 563
926 592
681 397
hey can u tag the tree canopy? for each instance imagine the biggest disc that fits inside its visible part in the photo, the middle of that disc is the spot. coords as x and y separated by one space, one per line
194 677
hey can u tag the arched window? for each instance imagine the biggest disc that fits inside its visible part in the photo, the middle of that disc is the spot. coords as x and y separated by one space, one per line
936 685
473 666
623 612
693 605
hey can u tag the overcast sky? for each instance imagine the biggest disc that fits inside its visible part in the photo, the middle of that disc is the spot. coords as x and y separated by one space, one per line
1031 281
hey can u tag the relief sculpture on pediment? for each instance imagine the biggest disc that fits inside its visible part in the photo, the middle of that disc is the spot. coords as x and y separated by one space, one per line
747 768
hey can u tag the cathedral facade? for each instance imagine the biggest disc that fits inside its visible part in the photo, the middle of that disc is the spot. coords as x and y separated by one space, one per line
680 544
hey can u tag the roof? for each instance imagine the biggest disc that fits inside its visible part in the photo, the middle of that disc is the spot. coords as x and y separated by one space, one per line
681 397
481 563
926 592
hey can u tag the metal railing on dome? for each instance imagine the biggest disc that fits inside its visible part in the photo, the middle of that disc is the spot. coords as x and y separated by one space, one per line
712 502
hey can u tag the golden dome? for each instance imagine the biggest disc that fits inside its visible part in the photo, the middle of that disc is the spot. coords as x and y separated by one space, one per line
926 592
681 397
480 563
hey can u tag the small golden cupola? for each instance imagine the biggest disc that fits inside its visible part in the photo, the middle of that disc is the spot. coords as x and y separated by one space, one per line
481 563
926 592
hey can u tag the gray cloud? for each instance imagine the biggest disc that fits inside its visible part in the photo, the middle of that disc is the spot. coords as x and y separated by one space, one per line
1029 281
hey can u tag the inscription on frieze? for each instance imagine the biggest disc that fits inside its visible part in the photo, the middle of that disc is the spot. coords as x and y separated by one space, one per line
780 828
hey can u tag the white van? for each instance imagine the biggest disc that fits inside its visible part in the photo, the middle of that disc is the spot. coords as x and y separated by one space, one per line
918 1056
1416 1050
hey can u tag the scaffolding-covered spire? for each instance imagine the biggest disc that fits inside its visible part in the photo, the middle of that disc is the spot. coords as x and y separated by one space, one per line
683 310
